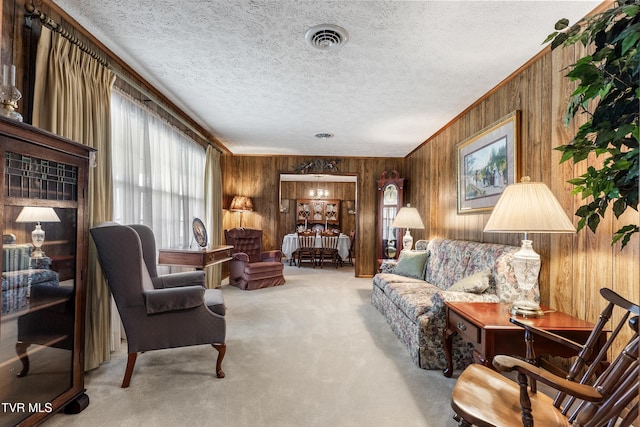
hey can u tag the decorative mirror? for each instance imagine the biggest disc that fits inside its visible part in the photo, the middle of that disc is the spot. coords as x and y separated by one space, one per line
390 197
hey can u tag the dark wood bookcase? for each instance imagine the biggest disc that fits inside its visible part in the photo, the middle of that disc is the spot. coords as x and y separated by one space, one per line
43 294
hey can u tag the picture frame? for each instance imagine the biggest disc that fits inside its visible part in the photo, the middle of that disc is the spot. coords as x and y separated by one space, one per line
487 162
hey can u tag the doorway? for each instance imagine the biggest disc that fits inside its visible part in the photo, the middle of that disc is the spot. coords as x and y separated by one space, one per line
340 189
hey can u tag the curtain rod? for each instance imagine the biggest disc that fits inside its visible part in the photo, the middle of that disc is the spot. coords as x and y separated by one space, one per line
33 12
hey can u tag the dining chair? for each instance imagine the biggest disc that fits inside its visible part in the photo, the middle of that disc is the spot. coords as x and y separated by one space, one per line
329 248
594 392
307 250
352 246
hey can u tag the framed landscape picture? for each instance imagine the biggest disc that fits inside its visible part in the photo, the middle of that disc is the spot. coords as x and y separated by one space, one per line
487 162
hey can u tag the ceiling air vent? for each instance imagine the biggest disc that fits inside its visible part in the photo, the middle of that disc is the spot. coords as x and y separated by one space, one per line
326 36
324 135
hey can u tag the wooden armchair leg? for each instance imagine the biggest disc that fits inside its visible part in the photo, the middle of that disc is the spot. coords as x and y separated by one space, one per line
21 350
222 349
131 362
461 422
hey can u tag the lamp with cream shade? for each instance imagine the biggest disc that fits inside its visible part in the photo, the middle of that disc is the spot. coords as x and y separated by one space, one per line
408 217
241 204
37 214
528 207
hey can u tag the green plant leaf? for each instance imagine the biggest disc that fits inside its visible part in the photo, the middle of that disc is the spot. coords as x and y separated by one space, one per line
593 222
607 93
619 206
631 39
561 24
550 37
560 38
631 10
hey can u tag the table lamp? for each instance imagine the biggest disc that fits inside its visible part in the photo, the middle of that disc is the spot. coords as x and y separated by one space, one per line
241 204
408 217
37 214
528 207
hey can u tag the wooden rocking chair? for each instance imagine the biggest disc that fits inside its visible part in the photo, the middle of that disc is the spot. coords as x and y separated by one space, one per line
594 392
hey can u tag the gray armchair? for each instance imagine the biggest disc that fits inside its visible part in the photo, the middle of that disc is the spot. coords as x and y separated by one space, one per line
157 312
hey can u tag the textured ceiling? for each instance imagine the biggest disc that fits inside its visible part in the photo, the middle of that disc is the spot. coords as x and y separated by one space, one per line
243 71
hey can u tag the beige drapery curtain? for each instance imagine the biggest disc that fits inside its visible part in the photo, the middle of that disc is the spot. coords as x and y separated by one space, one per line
213 209
72 97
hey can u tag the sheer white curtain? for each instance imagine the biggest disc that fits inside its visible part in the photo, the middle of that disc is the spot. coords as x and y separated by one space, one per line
157 173
157 179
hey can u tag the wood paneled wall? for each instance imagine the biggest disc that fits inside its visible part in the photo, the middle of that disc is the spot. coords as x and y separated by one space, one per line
259 177
574 267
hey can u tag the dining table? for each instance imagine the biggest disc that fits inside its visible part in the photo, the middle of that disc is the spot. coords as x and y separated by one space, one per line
290 244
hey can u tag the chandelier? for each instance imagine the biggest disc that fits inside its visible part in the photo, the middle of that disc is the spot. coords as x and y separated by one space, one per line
319 193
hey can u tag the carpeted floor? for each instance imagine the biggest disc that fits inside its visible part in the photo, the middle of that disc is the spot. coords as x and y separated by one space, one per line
312 352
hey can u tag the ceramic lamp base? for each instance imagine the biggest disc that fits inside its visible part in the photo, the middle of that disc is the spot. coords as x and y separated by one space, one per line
526 309
407 241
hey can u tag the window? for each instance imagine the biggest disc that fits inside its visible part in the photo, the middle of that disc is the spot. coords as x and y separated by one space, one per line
158 173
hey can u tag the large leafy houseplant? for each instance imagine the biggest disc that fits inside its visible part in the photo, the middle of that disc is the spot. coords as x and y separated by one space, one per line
607 92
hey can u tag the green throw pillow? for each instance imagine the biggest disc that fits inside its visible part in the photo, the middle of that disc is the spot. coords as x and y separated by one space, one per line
476 283
411 263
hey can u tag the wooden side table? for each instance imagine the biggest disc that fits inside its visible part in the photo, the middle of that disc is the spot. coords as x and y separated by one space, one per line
195 258
486 325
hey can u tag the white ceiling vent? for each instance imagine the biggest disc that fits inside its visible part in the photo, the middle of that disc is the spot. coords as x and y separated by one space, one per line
326 36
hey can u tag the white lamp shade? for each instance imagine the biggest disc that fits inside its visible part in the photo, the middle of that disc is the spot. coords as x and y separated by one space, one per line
528 207
408 217
37 214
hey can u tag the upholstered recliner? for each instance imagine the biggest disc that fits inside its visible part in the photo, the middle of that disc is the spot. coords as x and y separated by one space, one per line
251 268
161 312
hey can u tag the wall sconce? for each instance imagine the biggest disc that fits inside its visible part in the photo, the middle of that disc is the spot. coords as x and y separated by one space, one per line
284 206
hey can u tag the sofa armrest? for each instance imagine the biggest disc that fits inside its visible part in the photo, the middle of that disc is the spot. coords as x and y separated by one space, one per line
176 280
170 299
467 296
388 266
274 255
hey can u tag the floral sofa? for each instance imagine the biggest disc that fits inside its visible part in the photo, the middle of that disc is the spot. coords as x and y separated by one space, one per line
414 306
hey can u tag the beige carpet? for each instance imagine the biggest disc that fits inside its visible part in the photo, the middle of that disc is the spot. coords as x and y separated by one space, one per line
312 352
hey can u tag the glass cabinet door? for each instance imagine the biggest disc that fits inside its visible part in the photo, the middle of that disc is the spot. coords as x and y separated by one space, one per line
390 193
38 309
42 283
